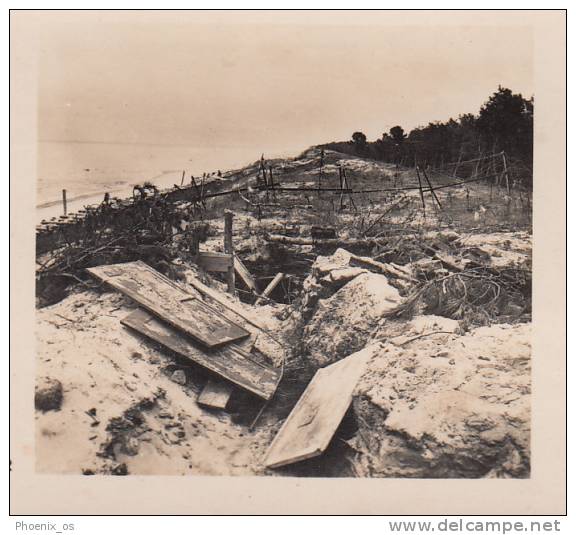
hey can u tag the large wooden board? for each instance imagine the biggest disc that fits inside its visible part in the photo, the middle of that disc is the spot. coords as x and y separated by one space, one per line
309 428
167 300
229 362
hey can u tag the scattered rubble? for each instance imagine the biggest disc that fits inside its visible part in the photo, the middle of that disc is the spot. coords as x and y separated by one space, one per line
440 313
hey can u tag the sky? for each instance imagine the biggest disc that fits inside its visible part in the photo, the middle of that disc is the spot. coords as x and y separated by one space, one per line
280 80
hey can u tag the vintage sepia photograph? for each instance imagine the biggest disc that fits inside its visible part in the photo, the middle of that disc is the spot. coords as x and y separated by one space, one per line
271 251
283 244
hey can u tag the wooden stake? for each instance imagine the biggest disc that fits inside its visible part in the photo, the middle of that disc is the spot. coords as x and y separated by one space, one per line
478 162
320 173
506 172
346 185
459 160
421 192
341 177
64 205
229 248
183 175
431 188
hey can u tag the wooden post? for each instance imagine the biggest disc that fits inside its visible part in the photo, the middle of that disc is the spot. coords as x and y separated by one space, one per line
64 205
183 174
262 181
346 184
421 192
431 188
229 249
506 172
320 172
341 177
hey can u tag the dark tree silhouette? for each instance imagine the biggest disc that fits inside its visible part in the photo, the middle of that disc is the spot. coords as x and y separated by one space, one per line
504 123
397 134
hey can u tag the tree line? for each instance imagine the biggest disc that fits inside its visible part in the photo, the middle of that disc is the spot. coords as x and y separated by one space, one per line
503 123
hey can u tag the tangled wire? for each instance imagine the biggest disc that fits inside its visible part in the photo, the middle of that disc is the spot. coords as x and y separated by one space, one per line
482 295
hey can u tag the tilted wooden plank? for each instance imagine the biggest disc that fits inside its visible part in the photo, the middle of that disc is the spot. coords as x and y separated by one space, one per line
270 288
309 428
215 394
215 262
167 300
244 274
229 362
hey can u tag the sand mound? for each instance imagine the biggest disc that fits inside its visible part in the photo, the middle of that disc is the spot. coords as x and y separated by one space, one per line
448 406
343 322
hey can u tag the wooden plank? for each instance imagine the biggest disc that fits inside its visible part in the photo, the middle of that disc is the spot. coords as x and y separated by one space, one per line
309 428
166 299
220 299
215 394
229 362
270 288
216 262
244 274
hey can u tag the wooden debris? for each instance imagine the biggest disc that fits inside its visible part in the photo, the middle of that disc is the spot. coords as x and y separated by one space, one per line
215 394
215 262
309 428
220 299
167 300
270 288
229 362
245 275
379 267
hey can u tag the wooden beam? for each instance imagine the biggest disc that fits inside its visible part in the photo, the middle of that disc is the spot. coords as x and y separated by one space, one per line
309 428
379 267
270 288
229 362
245 275
170 302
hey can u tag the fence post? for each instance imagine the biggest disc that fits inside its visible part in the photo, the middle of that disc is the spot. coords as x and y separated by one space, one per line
229 249
421 191
64 204
506 172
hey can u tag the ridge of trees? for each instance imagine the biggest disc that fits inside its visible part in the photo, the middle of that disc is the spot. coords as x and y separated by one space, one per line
503 123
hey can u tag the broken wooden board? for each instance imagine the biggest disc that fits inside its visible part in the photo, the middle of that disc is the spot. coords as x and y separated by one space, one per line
245 275
229 362
215 262
167 300
215 394
309 428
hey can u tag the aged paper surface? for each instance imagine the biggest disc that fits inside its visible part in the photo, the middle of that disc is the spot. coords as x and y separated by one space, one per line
36 491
